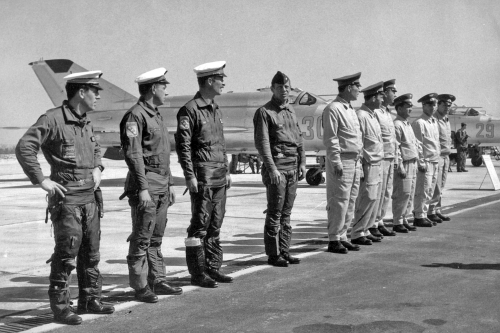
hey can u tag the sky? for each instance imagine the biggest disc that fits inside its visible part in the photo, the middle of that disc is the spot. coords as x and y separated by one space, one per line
445 46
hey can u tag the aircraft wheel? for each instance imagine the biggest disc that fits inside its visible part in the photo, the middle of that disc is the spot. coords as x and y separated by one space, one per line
477 161
314 178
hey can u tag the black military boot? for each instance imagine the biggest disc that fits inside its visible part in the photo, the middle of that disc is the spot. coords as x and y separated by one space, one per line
373 238
421 222
408 226
146 295
375 232
67 317
350 246
400 228
94 305
163 288
336 247
291 260
443 217
277 261
195 259
386 232
217 276
434 218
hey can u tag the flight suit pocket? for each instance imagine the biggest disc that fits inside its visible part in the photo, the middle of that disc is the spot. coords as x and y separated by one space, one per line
372 143
68 150
342 184
372 179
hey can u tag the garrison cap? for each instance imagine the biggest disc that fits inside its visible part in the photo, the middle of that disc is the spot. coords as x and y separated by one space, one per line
432 97
90 78
280 78
406 98
210 68
390 84
153 76
463 124
374 89
348 79
448 98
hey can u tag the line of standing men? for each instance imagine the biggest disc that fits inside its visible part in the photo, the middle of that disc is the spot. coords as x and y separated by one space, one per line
65 136
371 158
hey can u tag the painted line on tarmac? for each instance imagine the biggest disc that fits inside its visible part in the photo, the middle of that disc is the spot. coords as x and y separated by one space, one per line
472 208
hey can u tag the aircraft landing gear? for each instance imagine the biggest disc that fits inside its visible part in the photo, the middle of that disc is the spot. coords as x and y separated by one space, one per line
314 177
476 155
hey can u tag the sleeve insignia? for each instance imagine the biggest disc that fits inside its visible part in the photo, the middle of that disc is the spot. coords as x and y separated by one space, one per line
184 123
132 129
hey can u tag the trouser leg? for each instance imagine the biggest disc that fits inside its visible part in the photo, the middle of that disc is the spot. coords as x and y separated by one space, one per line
156 271
143 221
426 181
442 179
285 233
402 193
275 201
364 217
436 195
213 249
385 190
68 237
339 195
89 276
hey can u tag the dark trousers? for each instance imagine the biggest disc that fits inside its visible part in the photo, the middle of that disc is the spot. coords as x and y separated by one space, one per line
461 158
280 199
77 233
208 208
145 260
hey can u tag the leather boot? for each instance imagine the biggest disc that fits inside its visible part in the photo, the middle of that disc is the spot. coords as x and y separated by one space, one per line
400 228
421 222
94 305
349 246
68 318
373 238
408 226
146 295
434 218
163 288
204 281
277 261
386 232
374 231
217 276
291 260
336 247
195 259
443 217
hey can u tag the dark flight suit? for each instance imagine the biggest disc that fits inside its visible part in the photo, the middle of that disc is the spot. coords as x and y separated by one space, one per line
146 145
69 146
461 139
278 139
201 149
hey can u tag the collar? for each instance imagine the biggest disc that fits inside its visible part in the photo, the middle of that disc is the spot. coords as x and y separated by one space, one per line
345 103
147 107
71 116
405 121
277 103
443 118
367 109
202 103
426 117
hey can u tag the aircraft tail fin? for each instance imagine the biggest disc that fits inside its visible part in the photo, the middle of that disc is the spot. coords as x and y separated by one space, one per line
51 73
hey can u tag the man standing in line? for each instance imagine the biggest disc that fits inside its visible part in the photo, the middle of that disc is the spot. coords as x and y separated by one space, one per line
406 163
461 140
67 140
373 152
149 186
427 133
444 103
384 118
278 140
202 154
342 139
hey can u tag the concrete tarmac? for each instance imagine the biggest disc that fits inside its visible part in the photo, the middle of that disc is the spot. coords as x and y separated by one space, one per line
439 279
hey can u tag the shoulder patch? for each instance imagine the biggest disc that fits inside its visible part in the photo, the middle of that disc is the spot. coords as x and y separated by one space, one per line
132 129
184 122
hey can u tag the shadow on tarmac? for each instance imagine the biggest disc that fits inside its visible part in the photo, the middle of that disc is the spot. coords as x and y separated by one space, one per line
457 265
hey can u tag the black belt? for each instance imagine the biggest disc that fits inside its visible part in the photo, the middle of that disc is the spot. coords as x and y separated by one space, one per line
78 183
